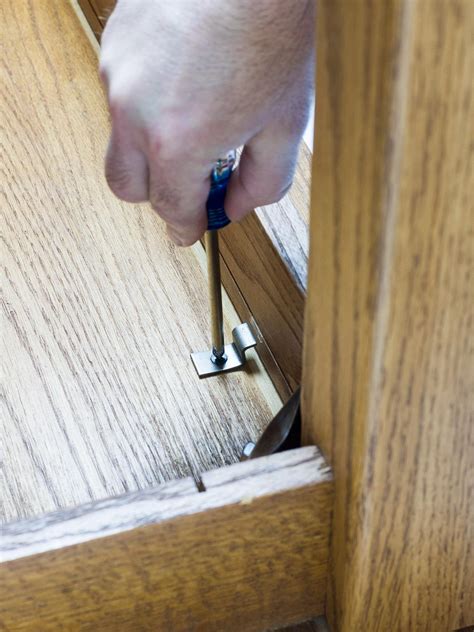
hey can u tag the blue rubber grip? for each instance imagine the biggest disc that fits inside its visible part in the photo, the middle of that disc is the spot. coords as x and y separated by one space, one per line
216 217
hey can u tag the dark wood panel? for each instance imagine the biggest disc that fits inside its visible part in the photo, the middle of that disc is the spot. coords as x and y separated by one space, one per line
103 9
91 17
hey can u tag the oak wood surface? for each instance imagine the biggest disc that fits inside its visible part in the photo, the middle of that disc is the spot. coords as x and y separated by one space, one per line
100 311
287 222
389 379
252 554
265 262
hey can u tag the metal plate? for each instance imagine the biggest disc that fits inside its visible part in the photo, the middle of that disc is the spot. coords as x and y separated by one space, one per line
235 352
205 366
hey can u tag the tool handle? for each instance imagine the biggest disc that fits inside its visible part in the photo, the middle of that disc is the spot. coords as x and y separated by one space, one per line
220 176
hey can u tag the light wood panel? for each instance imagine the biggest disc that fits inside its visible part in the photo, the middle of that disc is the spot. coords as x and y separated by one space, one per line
388 382
100 310
249 553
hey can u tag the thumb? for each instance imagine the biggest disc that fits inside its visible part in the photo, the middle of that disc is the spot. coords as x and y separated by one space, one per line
265 171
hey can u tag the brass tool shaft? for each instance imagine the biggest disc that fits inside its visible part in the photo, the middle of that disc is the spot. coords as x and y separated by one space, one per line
215 296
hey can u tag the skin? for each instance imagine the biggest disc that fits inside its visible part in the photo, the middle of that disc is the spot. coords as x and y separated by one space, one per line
187 81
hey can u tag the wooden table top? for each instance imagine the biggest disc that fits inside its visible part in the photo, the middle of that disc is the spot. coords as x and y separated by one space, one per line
101 311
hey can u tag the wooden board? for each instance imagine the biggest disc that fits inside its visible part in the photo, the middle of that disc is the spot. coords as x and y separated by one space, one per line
248 553
287 221
102 9
389 380
270 293
265 260
100 310
91 16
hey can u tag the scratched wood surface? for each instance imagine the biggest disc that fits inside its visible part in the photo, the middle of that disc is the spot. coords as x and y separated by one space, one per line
389 377
247 554
100 311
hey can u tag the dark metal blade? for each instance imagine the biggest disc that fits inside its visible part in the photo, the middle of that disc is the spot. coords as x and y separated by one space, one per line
282 433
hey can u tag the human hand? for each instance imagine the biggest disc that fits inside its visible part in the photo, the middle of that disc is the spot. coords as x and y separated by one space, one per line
186 82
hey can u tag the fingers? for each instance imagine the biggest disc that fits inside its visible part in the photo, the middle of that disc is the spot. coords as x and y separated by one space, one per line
265 171
126 169
178 193
176 188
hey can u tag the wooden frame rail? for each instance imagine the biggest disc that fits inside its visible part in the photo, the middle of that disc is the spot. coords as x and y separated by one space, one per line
248 553
388 380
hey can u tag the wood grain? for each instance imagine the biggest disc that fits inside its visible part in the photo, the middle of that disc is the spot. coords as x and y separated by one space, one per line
388 381
270 292
252 555
91 17
100 311
242 308
287 222
103 9
265 260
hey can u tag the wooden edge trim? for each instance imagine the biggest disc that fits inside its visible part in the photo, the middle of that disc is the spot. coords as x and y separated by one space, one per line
249 553
97 519
89 13
104 518
308 460
271 293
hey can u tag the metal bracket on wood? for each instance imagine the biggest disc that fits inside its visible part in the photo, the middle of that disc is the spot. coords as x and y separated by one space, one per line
207 364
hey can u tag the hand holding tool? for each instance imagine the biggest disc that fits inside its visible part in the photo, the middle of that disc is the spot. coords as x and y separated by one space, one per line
221 358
